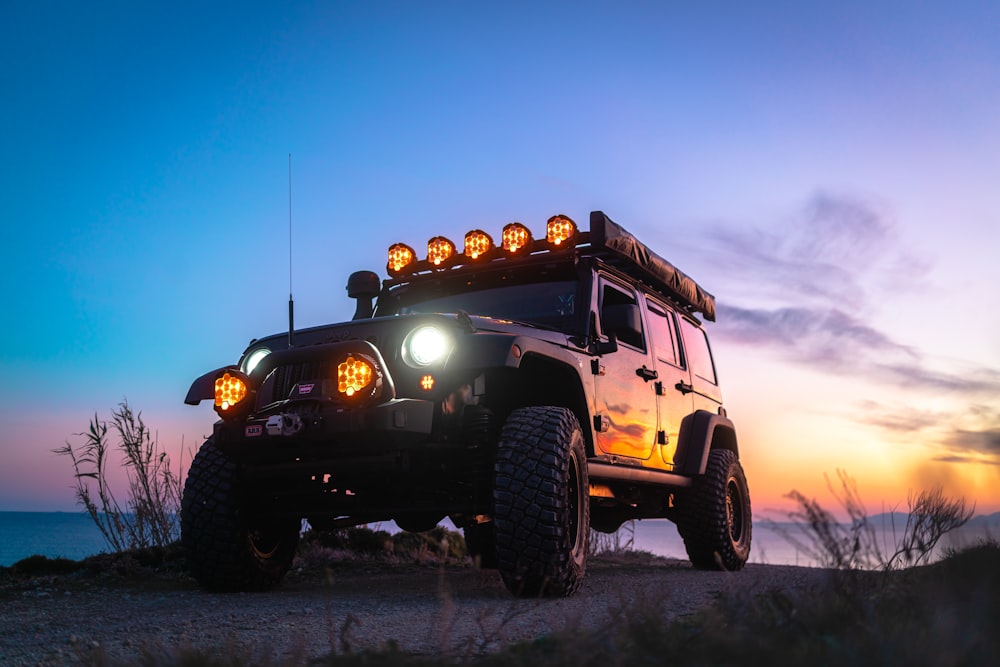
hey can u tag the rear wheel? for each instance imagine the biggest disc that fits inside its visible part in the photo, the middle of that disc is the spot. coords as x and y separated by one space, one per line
227 549
541 503
714 516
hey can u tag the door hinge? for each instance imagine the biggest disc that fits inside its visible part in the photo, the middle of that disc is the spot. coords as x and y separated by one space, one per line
596 367
661 438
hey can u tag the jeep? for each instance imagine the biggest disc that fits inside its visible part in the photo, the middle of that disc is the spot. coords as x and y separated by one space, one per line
529 391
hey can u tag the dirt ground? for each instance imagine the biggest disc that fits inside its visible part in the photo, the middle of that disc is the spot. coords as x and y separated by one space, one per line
439 610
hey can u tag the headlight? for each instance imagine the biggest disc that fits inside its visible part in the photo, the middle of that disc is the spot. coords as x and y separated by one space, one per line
425 345
254 358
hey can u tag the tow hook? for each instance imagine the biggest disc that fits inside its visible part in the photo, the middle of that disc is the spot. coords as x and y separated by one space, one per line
284 424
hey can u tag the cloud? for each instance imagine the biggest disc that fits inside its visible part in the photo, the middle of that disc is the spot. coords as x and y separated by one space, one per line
828 253
971 435
823 273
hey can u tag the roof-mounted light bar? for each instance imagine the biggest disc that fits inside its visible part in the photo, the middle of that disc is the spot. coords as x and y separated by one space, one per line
515 240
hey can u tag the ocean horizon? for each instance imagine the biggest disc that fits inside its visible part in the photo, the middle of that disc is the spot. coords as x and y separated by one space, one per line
73 535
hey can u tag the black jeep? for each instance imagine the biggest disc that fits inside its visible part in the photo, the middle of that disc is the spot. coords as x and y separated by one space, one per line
528 390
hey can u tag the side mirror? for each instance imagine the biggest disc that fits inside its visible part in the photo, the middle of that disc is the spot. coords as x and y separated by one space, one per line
624 322
363 286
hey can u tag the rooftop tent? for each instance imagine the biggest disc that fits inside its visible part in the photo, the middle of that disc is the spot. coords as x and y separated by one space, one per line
608 235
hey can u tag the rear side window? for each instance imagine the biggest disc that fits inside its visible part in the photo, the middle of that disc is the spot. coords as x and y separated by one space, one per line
699 355
663 333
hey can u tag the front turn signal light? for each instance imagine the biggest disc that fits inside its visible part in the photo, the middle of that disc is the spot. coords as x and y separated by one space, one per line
559 229
427 382
477 243
229 390
400 256
515 237
353 375
439 250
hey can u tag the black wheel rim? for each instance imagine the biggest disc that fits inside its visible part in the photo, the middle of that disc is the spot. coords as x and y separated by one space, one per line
734 511
265 543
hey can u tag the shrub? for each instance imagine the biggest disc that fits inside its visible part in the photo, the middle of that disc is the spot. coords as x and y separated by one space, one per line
855 545
149 516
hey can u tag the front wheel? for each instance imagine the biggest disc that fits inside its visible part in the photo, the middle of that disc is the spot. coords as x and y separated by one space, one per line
714 516
541 503
225 548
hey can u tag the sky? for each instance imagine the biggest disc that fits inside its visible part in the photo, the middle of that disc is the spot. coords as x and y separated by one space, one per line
828 170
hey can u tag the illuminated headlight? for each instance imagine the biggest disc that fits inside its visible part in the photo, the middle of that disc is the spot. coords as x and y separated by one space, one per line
254 358
425 345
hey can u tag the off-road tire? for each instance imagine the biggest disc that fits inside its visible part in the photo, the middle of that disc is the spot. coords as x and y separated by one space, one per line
224 548
714 516
541 503
481 545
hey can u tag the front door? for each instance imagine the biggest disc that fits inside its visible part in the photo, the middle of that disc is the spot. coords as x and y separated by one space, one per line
625 417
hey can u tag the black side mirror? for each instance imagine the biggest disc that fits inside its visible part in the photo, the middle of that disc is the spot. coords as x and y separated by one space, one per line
363 286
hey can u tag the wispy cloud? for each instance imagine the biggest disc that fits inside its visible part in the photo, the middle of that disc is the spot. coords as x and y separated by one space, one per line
809 289
830 253
971 435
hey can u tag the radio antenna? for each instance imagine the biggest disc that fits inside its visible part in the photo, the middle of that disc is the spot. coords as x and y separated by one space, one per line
291 303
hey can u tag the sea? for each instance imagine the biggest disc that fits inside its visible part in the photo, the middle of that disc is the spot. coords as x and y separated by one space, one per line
74 535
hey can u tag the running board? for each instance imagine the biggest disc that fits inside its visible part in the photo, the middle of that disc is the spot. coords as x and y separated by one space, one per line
635 475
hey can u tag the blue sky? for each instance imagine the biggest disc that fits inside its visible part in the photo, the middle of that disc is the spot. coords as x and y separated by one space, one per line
828 170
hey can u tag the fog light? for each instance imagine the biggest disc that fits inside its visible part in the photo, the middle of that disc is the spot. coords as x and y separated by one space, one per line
229 390
353 375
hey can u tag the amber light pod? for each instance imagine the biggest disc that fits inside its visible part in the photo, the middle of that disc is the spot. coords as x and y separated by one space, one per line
515 237
439 250
477 243
229 390
427 382
353 375
559 229
400 256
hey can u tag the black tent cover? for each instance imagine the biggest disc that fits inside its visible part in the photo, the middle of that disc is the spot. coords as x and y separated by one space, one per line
606 234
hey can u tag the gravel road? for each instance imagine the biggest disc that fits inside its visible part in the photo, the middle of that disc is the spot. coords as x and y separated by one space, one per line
422 609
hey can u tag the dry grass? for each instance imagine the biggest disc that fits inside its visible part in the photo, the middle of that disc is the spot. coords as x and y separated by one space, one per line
149 514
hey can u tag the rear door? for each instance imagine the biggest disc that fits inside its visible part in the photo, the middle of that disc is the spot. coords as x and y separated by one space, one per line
704 382
673 399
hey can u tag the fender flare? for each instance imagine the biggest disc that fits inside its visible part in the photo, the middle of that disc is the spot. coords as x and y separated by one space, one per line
204 387
700 431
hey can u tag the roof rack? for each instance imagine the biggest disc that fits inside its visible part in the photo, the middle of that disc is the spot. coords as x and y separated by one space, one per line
608 237
605 239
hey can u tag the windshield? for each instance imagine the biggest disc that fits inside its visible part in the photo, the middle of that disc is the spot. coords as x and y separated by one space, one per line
549 304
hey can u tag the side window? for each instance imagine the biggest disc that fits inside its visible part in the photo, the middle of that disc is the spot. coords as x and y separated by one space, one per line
663 333
612 297
698 353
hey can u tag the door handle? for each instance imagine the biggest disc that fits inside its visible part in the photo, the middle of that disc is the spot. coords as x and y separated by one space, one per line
646 373
684 387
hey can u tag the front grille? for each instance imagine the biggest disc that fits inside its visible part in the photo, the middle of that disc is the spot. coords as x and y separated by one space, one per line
287 376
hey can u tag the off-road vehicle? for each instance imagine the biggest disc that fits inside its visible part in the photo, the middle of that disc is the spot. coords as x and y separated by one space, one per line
528 390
